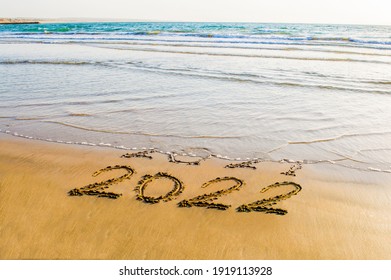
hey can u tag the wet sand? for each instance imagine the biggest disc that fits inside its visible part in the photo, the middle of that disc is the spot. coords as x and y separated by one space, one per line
337 213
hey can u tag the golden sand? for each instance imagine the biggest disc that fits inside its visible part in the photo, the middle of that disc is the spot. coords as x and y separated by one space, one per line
336 214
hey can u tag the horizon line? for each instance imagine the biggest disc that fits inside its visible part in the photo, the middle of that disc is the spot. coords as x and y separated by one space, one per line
44 20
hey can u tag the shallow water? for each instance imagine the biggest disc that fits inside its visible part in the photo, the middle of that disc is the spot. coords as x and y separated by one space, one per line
270 91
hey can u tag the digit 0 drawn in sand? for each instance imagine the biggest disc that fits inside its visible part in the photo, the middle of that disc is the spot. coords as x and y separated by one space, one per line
146 179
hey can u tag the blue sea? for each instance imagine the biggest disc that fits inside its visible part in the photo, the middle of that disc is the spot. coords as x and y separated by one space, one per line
291 92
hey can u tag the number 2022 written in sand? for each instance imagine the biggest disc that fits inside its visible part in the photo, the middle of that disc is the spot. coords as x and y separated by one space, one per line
205 200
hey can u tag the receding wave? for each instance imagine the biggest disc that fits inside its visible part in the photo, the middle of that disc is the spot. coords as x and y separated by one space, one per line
94 101
254 79
79 115
144 133
331 59
29 118
54 62
338 137
213 45
202 73
379 82
335 59
89 102
374 150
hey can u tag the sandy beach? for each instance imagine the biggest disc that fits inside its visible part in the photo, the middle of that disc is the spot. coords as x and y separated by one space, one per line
337 214
18 21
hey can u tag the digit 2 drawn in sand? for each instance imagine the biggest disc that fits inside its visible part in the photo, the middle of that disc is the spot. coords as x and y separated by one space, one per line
146 179
264 205
206 200
97 189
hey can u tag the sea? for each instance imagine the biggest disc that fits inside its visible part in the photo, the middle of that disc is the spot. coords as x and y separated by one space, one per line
307 93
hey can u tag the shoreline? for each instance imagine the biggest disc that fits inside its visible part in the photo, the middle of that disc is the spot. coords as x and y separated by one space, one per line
207 154
107 20
338 214
18 21
65 20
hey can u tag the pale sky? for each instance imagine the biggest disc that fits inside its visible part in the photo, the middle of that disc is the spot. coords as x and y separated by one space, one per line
295 11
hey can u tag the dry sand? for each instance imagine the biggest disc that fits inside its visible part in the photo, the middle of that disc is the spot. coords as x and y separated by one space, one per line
338 214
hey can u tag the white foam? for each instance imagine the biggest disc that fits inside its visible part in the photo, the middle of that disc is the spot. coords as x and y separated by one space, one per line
120 147
104 144
374 169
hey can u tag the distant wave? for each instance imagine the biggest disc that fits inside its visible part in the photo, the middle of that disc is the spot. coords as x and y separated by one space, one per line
368 36
213 39
277 35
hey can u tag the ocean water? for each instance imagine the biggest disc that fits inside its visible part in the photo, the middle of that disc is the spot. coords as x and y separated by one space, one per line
296 92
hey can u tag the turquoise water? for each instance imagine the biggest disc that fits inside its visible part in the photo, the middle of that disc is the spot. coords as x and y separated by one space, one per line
300 92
